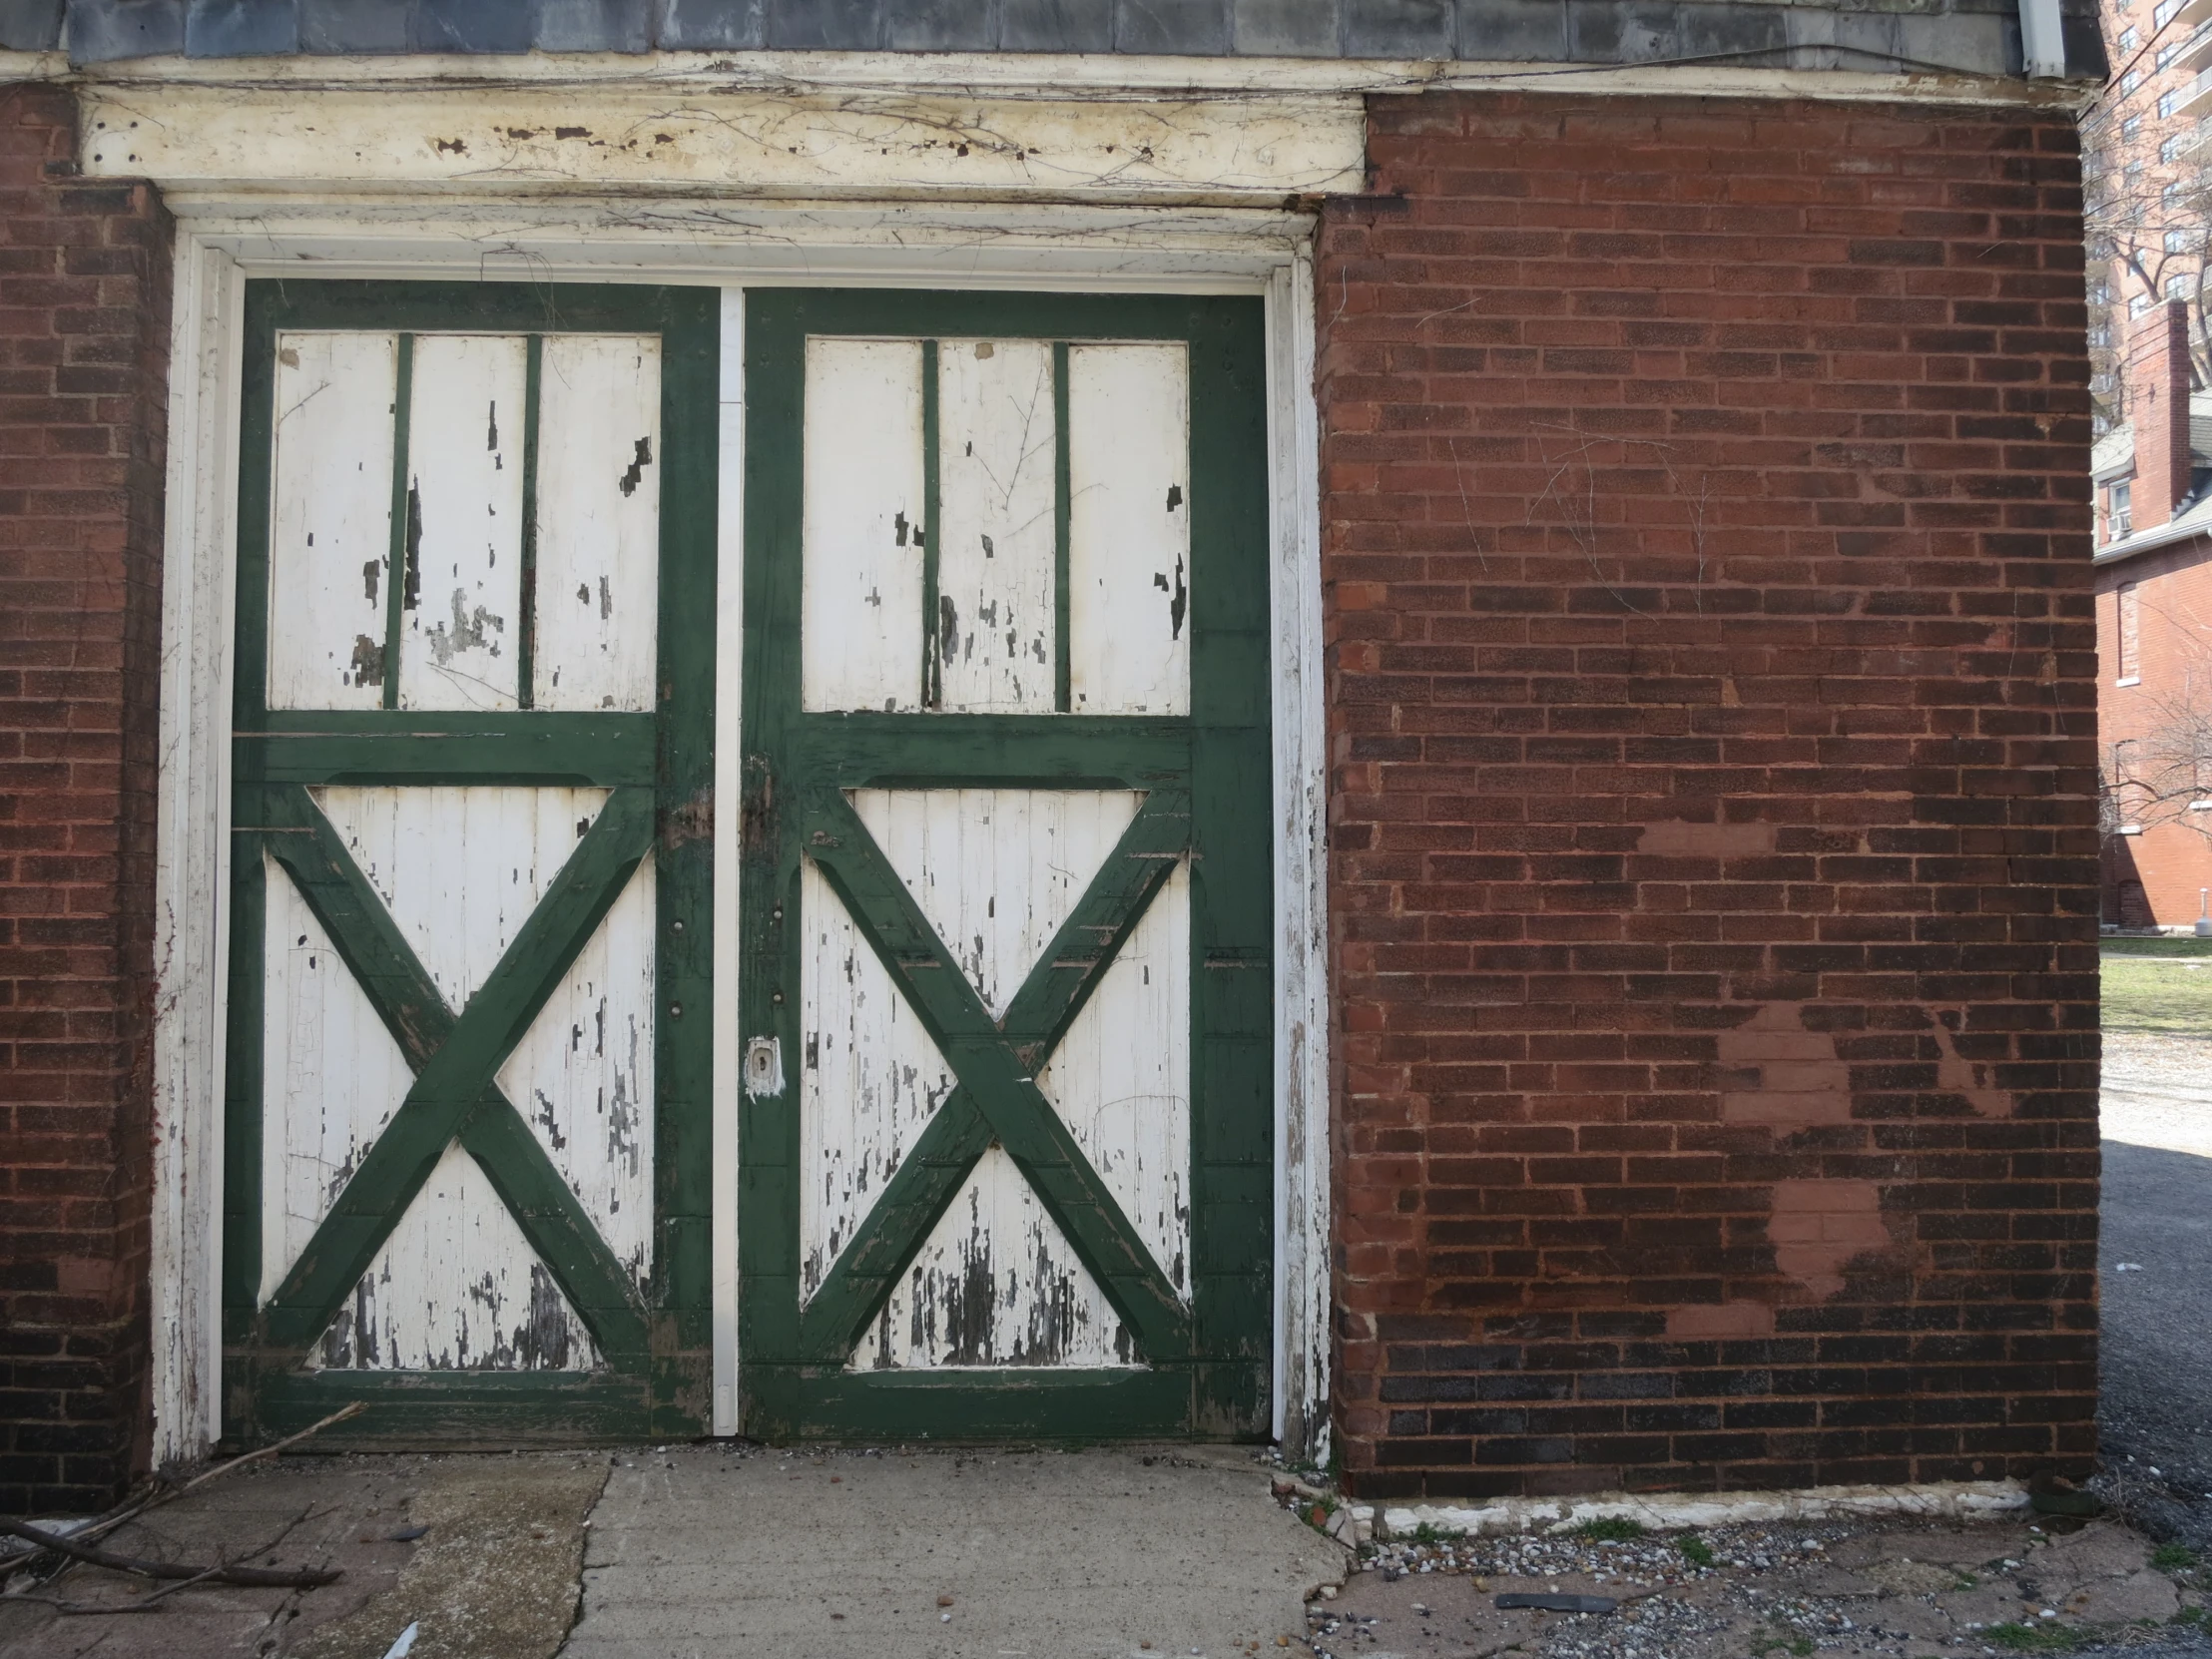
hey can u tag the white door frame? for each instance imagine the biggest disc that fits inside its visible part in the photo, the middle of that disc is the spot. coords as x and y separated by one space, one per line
222 240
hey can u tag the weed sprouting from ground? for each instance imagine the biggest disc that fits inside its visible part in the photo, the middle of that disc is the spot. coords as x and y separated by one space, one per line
1695 1550
1618 1529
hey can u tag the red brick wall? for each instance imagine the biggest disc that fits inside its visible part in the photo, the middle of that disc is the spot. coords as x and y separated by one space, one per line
2157 712
1714 851
84 337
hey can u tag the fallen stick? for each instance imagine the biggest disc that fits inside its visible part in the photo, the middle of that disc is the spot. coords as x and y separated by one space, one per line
339 1415
306 1578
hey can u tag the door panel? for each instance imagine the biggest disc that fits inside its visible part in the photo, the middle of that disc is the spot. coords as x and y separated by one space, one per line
1014 946
466 1119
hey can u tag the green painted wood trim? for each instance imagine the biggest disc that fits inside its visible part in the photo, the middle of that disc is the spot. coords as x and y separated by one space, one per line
1067 1407
855 751
1064 695
996 1069
526 637
402 574
932 649
242 1084
867 1270
457 1067
490 1411
571 751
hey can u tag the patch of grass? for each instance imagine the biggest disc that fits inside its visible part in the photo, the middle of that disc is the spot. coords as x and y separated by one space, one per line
2034 1638
2192 1615
2162 944
2147 993
1695 1549
2173 1558
1962 1580
1430 1533
1616 1530
1799 1645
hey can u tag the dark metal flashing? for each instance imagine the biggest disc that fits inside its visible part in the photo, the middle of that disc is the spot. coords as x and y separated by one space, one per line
1976 37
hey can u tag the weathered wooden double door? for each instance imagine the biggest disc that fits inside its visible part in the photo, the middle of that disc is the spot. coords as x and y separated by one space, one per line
1005 975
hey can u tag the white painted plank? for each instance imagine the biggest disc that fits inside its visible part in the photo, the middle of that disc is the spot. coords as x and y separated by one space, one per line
995 1283
599 522
332 1076
996 871
1129 532
995 628
460 867
869 1079
462 597
860 583
329 533
729 717
456 1287
1121 1078
583 1076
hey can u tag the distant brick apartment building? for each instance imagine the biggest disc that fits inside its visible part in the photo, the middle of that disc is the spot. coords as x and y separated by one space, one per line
2144 184
2153 479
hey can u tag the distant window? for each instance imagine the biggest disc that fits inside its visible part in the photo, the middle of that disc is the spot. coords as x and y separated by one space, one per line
2170 197
2100 292
2168 102
2100 334
2131 647
2130 81
2139 305
2116 521
2131 128
2163 13
2133 175
2102 381
2176 241
2167 53
2128 36
2170 151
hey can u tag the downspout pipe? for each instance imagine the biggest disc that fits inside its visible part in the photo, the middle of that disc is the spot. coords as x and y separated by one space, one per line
2042 41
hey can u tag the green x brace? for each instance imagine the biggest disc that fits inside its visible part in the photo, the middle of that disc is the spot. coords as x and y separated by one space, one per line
455 1061
995 1064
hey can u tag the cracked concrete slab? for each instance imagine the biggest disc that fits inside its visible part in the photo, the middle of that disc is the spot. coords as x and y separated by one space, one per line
937 1554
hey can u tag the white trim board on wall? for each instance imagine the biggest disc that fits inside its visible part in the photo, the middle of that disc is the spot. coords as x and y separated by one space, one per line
224 240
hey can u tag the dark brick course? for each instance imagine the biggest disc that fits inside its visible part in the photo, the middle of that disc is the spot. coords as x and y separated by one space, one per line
84 340
1713 846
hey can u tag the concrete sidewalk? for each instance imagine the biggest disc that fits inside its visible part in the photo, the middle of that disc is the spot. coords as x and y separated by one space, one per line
824 1554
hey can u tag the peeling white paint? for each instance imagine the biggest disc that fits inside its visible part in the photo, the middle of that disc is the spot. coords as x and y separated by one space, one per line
735 142
456 1287
996 633
1673 1511
995 1283
599 522
329 533
1129 529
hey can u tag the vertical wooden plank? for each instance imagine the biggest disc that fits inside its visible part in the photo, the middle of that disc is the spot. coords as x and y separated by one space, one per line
1121 1078
995 1283
862 586
869 1079
598 518
996 596
933 507
1129 534
996 871
1063 489
329 538
462 598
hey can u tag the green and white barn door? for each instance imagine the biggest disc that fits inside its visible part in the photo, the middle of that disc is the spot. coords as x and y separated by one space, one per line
1006 982
467 1117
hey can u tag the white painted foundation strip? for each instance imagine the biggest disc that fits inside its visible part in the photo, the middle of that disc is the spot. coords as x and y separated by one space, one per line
1673 1511
1046 75
728 772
